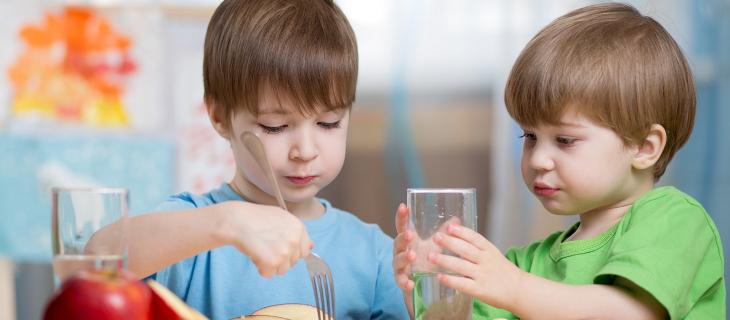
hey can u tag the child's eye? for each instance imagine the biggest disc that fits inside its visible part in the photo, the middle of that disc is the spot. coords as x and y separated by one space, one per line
528 136
565 140
272 130
329 125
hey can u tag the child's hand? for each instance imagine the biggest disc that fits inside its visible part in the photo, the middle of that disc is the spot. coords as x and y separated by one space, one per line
409 249
402 256
273 238
486 274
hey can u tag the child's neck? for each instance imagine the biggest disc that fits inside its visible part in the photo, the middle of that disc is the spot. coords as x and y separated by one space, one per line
599 220
305 210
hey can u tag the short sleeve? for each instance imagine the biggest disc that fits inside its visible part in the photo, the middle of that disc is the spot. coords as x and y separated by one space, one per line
670 249
177 276
180 201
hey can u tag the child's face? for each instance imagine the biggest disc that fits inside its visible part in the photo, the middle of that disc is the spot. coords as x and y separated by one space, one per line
305 152
577 166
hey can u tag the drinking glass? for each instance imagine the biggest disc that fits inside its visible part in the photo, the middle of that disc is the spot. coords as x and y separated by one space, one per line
430 211
88 230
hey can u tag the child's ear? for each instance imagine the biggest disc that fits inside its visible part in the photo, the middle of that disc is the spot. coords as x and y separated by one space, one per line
649 150
215 120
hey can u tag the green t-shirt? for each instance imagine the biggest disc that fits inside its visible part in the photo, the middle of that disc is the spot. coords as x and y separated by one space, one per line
666 244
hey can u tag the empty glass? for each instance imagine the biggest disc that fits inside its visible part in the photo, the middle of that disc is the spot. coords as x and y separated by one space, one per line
78 213
431 210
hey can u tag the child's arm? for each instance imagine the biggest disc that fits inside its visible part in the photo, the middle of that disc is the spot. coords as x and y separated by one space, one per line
490 277
274 239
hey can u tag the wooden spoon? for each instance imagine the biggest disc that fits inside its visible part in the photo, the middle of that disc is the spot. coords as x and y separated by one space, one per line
252 142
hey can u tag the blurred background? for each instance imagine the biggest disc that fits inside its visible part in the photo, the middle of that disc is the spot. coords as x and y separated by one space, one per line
128 112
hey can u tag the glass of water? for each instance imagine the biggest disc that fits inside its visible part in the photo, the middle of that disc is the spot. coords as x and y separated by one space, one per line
88 230
430 211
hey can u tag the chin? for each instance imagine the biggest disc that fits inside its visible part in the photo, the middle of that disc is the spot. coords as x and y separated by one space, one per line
302 195
557 209
562 212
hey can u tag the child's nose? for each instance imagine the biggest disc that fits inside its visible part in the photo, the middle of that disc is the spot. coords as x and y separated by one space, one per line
304 147
541 160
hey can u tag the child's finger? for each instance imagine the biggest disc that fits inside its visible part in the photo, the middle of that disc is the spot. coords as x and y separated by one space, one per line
458 246
470 236
403 260
401 218
458 283
402 275
265 270
295 255
283 268
452 221
305 245
405 283
402 241
410 284
452 264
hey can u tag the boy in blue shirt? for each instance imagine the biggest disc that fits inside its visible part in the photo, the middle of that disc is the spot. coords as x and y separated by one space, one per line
605 99
285 70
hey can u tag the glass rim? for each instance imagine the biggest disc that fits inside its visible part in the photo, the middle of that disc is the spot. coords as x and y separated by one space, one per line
102 190
441 190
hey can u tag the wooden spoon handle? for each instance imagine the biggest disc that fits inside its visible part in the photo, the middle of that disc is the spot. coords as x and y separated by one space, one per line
254 145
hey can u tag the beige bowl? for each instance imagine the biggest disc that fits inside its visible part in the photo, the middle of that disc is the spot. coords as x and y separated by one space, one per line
289 311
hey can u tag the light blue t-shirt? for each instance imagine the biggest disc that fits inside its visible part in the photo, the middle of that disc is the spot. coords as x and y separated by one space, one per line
223 283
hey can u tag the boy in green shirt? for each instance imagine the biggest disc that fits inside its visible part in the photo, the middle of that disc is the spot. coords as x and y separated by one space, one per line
605 98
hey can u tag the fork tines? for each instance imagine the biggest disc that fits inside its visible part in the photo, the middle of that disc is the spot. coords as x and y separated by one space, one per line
323 287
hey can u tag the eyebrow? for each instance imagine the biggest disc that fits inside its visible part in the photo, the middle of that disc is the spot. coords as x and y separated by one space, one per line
280 111
571 124
277 111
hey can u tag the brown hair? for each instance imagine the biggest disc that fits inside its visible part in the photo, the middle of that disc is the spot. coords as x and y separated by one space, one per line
304 50
611 64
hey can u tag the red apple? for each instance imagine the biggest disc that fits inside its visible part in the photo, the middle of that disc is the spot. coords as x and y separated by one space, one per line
103 295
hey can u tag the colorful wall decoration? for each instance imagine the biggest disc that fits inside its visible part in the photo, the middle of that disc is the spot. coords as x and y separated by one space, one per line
73 68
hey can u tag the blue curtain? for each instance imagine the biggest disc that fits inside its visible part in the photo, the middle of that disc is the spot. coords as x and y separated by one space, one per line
702 168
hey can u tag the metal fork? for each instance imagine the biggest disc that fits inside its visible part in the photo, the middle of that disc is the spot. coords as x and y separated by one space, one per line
323 286
319 273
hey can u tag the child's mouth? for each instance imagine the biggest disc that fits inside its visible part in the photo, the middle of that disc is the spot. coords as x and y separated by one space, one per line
544 191
301 180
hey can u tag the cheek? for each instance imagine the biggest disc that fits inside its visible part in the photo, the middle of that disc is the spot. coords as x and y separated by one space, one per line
527 173
242 157
597 173
248 166
278 154
332 147
334 154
